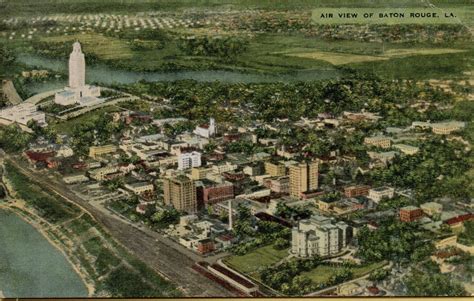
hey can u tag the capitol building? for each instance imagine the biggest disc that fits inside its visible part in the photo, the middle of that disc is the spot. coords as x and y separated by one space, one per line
78 92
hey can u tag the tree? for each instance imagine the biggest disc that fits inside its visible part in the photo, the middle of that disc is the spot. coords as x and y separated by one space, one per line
281 243
7 56
113 184
162 219
379 275
13 138
243 225
419 283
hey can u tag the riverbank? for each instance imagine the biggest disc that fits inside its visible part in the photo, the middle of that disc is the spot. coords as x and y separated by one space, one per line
27 214
108 265
30 259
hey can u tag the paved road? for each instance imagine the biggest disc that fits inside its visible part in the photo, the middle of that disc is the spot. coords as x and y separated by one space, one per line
151 248
35 99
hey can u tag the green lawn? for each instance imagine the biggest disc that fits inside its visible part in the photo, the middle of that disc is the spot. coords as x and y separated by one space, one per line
322 273
66 127
256 259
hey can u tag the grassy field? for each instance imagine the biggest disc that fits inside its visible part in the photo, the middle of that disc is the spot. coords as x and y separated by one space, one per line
66 127
252 261
28 7
338 58
104 47
266 52
322 273
349 58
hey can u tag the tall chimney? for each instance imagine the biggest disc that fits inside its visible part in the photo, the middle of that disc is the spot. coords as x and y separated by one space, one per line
230 214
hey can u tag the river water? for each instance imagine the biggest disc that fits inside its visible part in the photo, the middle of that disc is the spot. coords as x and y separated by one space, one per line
30 266
109 75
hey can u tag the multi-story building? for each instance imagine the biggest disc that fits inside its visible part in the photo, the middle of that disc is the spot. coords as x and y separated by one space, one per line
319 235
78 92
440 128
410 214
95 151
303 178
227 167
180 192
215 193
377 194
275 169
378 141
189 160
357 190
23 113
279 184
199 173
445 128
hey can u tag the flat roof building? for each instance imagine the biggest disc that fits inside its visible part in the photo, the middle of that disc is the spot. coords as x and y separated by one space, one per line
180 192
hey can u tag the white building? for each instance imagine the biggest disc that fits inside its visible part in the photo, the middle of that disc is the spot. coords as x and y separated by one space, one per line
206 130
189 160
78 92
377 194
318 236
23 113
406 149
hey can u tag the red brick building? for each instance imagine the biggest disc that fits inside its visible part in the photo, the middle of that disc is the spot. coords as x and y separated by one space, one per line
217 193
354 191
410 214
205 246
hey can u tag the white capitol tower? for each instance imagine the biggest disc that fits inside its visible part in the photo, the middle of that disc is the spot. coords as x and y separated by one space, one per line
78 93
77 67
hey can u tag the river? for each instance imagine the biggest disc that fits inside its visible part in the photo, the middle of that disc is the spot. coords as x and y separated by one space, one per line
30 266
109 75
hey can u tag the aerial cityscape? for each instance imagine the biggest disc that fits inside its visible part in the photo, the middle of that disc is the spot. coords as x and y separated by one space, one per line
233 149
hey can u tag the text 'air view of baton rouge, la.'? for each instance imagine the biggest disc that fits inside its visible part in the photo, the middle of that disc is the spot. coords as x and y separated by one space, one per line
236 148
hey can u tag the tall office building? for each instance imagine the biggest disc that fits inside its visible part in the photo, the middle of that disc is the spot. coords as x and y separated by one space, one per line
303 178
180 192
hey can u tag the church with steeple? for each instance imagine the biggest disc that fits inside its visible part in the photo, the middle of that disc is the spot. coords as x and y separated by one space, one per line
78 92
